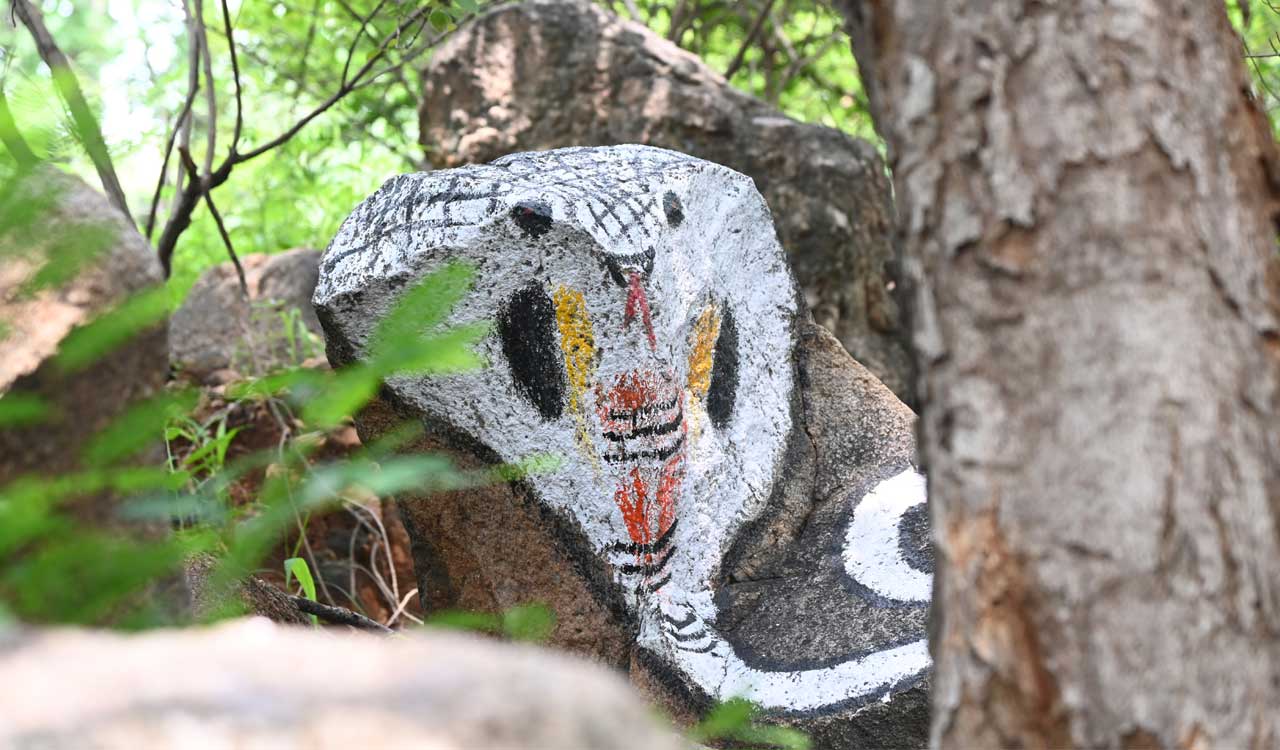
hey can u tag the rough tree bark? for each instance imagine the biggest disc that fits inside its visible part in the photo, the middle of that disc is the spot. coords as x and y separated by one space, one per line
1087 194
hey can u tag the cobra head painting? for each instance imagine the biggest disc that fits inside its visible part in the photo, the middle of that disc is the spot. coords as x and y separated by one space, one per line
645 327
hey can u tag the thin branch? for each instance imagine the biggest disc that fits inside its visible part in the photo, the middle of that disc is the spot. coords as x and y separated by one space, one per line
235 74
749 40
12 137
306 48
338 615
678 14
355 41
68 87
210 93
182 129
345 88
187 198
193 173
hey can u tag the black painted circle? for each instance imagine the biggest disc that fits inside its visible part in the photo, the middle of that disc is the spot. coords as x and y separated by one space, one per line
673 208
527 327
723 392
533 218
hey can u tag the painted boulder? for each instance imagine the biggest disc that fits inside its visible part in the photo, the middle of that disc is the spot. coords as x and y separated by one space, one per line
736 512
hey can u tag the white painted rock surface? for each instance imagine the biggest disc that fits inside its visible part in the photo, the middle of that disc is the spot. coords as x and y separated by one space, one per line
648 332
253 684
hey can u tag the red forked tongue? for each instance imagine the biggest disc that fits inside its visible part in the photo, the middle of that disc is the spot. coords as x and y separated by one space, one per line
636 300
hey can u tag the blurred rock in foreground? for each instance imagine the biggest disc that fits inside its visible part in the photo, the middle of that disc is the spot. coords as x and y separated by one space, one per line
250 683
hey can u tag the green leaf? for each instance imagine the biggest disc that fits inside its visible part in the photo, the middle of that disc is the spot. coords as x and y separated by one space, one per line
18 408
419 310
277 382
85 577
142 424
454 619
440 19
724 720
734 720
349 390
296 567
215 450
526 622
529 622
448 352
88 343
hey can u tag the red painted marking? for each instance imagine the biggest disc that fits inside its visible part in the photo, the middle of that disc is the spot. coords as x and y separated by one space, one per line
632 499
637 301
648 489
630 392
669 492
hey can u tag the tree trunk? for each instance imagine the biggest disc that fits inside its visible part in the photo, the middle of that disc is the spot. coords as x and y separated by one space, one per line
1087 194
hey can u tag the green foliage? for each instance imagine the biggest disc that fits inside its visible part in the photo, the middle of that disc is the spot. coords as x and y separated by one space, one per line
735 720
57 566
87 344
526 622
799 59
296 567
1261 36
19 409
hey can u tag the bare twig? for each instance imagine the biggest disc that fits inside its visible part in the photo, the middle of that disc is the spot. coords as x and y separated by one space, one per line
217 219
678 14
355 40
192 193
306 45
338 615
748 40
68 87
181 125
235 76
400 609
210 92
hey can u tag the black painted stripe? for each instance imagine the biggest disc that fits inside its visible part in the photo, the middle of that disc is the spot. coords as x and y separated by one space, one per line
648 568
680 623
660 453
651 547
644 410
663 581
705 649
686 638
638 432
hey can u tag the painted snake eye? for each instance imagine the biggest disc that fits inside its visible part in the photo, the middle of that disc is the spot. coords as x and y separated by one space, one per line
673 208
527 328
723 391
533 218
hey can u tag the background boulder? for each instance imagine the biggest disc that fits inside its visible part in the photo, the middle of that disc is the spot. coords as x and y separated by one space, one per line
114 262
538 75
217 328
251 683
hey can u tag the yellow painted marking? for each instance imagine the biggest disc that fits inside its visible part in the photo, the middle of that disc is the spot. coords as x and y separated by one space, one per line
702 350
702 354
578 345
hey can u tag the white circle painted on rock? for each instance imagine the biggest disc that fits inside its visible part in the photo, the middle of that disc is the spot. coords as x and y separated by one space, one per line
872 556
